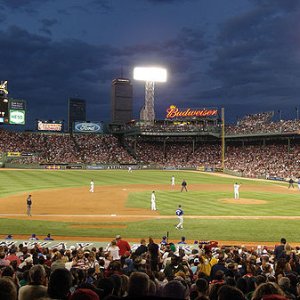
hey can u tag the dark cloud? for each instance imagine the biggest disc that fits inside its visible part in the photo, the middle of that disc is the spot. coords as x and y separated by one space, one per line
46 73
22 4
257 58
47 25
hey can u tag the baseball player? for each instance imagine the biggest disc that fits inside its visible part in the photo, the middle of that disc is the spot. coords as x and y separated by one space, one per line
299 184
236 188
129 169
29 203
173 181
179 214
153 201
92 186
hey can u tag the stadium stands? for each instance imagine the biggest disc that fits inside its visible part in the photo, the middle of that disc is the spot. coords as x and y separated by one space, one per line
199 271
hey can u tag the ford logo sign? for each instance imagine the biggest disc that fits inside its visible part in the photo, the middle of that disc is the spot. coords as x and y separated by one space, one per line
87 127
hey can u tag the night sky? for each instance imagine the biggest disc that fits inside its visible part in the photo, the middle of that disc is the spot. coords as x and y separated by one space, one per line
243 55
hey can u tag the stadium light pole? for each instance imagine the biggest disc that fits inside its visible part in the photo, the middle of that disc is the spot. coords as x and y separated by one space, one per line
150 75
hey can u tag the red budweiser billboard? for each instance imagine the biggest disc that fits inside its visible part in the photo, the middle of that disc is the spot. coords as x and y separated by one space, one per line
174 112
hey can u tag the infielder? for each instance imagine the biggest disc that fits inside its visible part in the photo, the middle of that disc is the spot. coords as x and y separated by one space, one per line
179 214
173 181
236 188
29 203
153 201
92 186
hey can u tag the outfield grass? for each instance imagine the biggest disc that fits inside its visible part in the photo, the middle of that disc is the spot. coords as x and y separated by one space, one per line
195 203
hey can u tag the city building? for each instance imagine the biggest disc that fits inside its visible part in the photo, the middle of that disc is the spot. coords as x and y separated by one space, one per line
121 100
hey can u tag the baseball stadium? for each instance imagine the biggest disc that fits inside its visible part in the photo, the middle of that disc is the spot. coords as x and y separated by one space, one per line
107 204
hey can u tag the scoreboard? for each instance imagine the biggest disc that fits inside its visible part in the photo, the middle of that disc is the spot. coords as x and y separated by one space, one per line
4 110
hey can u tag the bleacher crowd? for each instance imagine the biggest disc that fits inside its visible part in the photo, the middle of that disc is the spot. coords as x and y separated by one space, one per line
251 160
150 270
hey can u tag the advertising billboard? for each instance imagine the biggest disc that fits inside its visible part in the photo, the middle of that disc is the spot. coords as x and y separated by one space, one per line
88 127
56 126
17 117
173 112
17 111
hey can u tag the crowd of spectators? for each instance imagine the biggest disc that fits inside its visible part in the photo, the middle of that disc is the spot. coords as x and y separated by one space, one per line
63 148
270 160
151 270
274 160
262 123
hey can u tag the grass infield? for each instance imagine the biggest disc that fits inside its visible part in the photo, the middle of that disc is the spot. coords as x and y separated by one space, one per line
266 212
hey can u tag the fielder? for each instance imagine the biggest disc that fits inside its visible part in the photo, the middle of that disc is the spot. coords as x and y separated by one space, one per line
153 201
92 186
179 214
173 181
299 184
236 188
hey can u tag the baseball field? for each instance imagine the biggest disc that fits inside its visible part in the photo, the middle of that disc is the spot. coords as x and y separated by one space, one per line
63 206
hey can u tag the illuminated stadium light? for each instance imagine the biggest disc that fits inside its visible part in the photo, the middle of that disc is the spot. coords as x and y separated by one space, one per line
150 75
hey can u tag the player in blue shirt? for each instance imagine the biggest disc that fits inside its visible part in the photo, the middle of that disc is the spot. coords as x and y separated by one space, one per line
179 214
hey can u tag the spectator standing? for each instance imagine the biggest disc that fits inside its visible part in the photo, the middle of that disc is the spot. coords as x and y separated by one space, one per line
153 250
29 203
123 245
279 250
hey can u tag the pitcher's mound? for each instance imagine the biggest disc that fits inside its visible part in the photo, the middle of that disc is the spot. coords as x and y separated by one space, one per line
242 201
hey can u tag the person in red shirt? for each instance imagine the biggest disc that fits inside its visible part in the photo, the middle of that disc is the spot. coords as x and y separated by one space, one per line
12 256
123 245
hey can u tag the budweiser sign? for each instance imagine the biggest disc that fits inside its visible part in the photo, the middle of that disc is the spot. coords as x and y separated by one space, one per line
175 112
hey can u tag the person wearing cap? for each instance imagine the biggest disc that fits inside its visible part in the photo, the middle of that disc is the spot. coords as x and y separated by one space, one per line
179 214
9 237
48 237
184 185
33 237
164 240
123 245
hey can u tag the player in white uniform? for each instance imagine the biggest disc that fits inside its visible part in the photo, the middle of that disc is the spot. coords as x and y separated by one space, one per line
153 201
173 181
236 188
92 186
299 184
179 214
129 169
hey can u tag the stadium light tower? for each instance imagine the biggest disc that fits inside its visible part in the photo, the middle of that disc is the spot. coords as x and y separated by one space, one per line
150 75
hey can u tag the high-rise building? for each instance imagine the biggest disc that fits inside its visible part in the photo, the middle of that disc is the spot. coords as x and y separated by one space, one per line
121 100
76 112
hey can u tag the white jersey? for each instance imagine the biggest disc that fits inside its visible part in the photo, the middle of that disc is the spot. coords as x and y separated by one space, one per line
236 187
153 203
92 187
173 180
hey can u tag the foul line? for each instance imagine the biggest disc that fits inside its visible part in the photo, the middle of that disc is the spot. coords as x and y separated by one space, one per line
158 217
